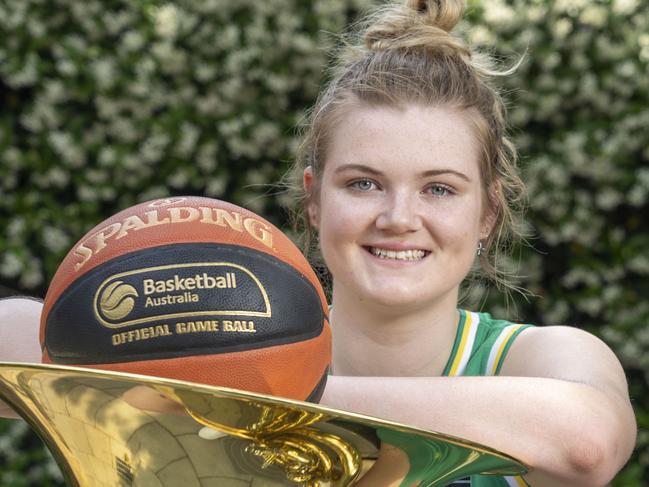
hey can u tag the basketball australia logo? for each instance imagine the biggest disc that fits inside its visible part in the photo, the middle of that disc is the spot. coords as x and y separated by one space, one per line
172 294
117 300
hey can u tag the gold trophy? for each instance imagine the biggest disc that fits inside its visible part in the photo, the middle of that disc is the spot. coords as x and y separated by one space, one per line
109 429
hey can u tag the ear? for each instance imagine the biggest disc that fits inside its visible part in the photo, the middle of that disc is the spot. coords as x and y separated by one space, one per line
490 214
312 207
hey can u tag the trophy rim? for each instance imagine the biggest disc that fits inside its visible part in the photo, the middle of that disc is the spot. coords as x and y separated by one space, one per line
228 392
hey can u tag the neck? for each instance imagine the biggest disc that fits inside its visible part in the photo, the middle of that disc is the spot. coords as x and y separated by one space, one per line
384 341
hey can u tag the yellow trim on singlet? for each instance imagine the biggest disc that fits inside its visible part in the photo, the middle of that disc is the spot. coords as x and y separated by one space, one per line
463 352
516 482
509 332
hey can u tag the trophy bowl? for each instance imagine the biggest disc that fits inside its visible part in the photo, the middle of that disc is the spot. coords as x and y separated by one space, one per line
113 429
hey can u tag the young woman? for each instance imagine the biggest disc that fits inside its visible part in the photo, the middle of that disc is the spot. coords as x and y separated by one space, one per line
409 181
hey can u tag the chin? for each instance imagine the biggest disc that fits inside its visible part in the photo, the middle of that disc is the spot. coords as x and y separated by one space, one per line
406 297
395 298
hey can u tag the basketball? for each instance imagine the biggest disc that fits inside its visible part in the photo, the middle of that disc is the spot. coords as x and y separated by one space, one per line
195 289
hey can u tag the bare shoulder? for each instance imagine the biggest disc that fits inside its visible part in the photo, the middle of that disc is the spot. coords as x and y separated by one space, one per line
563 352
573 355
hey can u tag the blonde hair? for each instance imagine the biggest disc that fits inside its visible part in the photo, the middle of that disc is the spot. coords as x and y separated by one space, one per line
406 54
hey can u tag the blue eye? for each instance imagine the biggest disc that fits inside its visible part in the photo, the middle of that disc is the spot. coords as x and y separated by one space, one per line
363 185
439 190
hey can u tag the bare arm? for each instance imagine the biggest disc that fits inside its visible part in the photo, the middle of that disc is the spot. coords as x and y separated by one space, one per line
19 326
560 405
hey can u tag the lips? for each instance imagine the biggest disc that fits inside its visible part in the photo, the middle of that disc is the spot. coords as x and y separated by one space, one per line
392 254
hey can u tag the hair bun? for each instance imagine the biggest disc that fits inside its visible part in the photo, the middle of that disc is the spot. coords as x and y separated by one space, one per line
423 24
443 14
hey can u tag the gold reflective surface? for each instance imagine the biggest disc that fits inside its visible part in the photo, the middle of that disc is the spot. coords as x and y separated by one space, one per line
109 429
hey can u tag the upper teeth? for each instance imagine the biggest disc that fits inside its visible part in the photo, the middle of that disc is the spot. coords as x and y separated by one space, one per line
398 254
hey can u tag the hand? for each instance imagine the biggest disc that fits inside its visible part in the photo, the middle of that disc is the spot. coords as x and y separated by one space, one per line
19 328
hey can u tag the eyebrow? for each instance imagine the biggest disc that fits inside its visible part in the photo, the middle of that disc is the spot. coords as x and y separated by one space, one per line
425 174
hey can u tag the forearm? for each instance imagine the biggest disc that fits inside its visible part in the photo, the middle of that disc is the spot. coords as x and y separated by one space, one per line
570 433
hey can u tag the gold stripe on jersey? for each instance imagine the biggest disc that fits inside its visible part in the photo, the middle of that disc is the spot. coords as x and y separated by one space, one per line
516 482
496 354
463 353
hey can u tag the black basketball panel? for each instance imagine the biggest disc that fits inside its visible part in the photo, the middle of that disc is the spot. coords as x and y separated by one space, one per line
179 300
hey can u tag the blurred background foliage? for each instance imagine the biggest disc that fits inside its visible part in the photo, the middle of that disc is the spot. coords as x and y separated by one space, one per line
106 103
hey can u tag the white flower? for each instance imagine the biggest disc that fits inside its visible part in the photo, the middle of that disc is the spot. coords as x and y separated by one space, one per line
206 158
643 177
58 177
171 60
131 162
108 193
189 135
107 156
66 67
592 306
562 28
16 228
594 15
624 7
644 54
481 35
36 28
115 21
61 142
27 75
643 40
571 7
132 41
124 130
54 91
32 122
32 277
11 265
639 264
152 149
104 72
608 199
536 13
87 193
627 69
216 186
204 72
166 20
55 240
178 180
497 13
207 105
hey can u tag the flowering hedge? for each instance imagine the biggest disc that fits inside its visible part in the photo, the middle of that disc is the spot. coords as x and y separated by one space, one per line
107 103
580 108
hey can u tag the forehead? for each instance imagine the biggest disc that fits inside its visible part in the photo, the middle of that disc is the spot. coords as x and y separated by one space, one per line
412 136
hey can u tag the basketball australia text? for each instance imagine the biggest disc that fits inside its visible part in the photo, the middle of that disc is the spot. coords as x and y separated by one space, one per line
177 284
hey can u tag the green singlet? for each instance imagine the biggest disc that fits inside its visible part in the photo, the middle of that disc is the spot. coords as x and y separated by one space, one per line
480 347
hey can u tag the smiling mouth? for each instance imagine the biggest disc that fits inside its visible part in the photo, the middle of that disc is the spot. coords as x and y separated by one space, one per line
411 255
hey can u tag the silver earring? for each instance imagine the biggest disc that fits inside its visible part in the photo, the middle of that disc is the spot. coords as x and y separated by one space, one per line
480 248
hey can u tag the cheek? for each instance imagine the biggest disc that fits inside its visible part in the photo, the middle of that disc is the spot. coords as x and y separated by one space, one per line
458 226
337 220
341 223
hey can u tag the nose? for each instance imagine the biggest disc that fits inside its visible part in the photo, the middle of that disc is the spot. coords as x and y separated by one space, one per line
400 214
